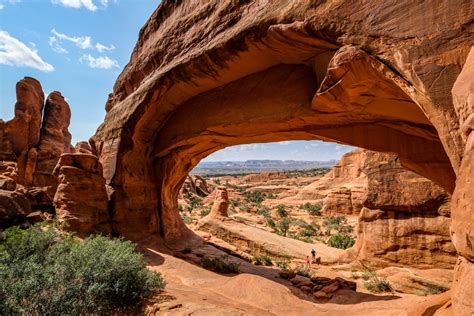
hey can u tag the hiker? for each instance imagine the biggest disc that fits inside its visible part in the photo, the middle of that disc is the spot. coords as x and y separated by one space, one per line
307 261
313 254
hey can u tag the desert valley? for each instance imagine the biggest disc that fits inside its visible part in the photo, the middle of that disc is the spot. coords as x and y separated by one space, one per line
136 221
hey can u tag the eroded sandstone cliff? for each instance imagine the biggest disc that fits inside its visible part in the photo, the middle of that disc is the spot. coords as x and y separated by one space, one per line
206 75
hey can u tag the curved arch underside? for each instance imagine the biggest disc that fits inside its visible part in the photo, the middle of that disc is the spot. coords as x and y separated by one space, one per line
287 76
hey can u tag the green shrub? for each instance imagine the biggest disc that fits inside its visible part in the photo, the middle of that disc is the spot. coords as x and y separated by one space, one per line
309 231
47 272
255 196
430 289
220 265
281 211
263 260
283 225
264 211
283 263
271 196
205 211
186 218
194 202
271 223
341 241
312 209
345 229
372 281
303 271
332 222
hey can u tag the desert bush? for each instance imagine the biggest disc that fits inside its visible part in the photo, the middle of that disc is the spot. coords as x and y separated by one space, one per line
205 211
186 218
372 281
271 223
338 223
284 262
255 197
194 201
219 265
264 211
283 225
303 271
345 229
271 196
281 211
341 241
431 289
312 209
332 222
263 260
47 272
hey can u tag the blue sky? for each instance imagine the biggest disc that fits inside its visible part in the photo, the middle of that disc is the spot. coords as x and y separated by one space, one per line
79 47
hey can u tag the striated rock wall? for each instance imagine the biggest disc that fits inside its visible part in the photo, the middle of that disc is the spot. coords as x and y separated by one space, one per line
81 197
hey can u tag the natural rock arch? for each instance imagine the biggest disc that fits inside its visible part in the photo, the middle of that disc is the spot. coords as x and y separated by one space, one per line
206 75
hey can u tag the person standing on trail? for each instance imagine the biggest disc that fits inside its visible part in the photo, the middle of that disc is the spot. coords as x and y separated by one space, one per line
307 261
313 254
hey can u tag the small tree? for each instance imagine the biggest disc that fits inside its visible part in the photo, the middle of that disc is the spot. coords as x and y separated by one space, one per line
284 225
281 211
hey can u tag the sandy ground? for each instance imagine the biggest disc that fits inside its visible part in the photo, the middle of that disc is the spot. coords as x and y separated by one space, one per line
257 290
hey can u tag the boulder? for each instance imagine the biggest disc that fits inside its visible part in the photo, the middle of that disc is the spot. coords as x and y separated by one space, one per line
7 183
14 207
81 197
287 274
83 148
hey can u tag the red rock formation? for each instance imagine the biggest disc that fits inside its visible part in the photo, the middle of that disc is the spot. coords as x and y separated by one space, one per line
81 198
195 185
23 130
83 148
13 207
221 203
206 75
462 212
55 139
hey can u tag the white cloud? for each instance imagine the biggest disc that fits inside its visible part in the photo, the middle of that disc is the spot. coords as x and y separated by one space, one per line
99 62
82 42
284 143
54 43
102 48
76 4
15 53
1 6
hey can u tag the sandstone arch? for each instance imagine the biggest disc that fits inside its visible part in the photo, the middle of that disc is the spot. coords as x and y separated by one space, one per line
208 74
